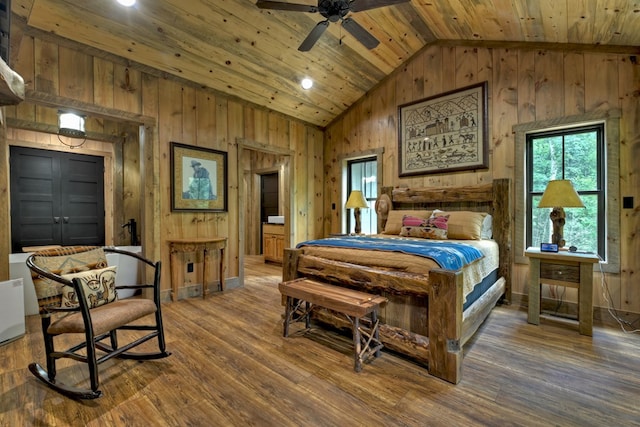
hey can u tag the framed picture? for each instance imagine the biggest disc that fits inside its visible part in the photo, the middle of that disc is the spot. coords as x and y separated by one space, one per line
444 133
198 179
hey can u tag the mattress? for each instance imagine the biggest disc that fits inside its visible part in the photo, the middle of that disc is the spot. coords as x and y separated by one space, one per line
473 273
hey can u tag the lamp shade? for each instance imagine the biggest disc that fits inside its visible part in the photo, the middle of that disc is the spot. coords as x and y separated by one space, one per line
356 200
560 194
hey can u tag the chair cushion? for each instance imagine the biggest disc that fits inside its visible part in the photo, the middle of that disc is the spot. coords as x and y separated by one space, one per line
99 287
106 317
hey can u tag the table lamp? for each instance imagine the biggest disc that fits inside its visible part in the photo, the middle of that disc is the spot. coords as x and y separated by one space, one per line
356 202
559 194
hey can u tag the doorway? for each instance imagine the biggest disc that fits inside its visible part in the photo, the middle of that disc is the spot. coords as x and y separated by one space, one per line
57 198
254 161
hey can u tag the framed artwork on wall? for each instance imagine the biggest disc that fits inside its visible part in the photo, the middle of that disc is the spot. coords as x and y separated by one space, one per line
198 179
444 133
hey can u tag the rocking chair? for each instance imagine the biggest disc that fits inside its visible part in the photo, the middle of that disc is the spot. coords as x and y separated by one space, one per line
77 295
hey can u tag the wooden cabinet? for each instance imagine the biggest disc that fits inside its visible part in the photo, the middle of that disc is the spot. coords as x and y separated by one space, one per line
273 242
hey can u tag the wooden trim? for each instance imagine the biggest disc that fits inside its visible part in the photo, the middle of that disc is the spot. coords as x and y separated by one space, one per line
55 101
53 129
563 47
5 215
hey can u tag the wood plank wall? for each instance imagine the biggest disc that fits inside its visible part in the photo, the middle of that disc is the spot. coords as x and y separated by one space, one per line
184 113
525 85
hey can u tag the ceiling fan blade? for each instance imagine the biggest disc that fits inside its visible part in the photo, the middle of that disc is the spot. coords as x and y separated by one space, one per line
360 5
313 36
360 33
278 5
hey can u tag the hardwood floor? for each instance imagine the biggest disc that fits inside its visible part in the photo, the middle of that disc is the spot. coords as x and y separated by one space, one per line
230 366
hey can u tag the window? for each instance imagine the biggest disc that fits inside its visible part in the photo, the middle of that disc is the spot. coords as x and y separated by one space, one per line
599 192
576 154
362 174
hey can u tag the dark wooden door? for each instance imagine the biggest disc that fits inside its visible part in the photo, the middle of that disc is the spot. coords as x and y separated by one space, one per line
56 198
268 195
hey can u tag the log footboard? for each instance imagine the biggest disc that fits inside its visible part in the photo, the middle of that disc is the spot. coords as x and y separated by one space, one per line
427 324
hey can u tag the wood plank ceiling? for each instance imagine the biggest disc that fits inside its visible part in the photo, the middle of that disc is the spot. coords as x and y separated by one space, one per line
235 48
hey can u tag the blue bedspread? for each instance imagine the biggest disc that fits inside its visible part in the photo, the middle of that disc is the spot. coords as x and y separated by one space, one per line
448 255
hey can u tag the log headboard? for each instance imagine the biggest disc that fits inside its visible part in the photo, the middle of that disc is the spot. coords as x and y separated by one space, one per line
494 198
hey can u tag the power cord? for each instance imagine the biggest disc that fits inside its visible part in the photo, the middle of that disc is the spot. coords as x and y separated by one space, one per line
610 307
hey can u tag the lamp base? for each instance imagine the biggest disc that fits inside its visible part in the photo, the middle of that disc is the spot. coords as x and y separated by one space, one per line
356 215
557 217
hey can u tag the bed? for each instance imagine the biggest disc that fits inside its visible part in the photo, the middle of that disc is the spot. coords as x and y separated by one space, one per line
434 308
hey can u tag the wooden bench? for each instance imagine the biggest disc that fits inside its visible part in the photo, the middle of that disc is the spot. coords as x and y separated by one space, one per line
353 304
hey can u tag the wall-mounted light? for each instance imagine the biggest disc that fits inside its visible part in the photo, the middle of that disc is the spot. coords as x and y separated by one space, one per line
71 125
306 83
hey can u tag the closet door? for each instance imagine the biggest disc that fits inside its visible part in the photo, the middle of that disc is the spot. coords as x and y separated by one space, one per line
82 199
56 198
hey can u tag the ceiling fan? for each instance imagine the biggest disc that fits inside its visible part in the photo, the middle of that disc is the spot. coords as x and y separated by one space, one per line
333 11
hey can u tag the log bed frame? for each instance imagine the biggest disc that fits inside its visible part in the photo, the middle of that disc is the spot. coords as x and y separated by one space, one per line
424 319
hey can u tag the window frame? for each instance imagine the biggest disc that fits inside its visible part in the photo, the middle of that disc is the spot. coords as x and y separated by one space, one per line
600 191
344 161
611 120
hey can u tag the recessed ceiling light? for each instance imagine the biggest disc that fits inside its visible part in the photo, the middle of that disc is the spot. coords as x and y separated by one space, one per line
306 83
127 3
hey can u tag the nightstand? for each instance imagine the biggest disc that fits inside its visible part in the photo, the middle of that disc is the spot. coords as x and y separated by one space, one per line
570 269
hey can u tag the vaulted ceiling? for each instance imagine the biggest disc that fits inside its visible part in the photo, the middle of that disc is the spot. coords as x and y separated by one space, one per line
236 48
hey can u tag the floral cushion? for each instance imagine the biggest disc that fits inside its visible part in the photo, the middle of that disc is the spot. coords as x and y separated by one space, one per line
434 227
99 287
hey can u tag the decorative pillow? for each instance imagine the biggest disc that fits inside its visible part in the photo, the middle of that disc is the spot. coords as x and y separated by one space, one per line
99 287
64 260
412 221
394 220
464 225
434 227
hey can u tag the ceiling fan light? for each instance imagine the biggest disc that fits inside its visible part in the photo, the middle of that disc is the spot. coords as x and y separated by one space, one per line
306 83
127 3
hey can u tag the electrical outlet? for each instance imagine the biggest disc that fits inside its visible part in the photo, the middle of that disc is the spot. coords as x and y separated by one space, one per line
190 267
627 202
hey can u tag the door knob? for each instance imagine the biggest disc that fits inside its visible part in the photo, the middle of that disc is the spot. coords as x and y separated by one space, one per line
56 220
65 219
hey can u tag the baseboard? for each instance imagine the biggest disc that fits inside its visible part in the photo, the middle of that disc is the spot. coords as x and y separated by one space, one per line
195 290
